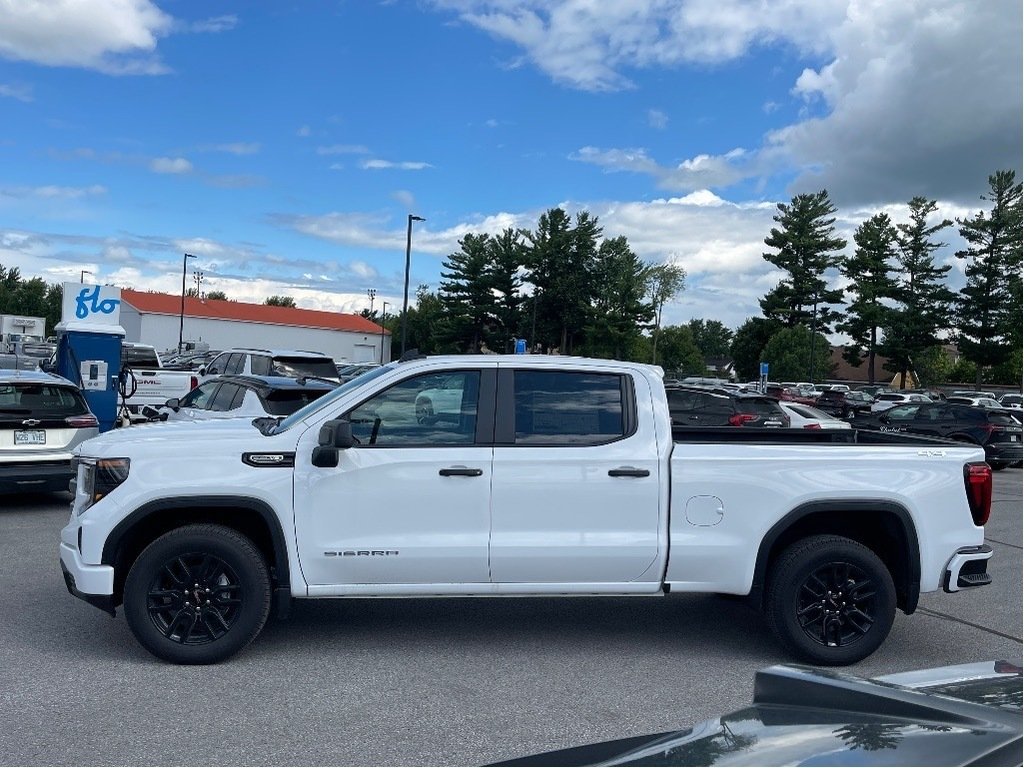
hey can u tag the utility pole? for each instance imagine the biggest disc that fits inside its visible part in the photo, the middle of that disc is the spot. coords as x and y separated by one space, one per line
405 299
383 317
181 319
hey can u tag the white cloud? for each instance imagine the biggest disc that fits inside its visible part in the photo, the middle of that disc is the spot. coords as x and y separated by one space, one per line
404 198
587 45
406 165
54 192
363 269
112 36
19 92
303 132
913 97
235 148
341 149
491 123
700 172
657 119
213 24
170 165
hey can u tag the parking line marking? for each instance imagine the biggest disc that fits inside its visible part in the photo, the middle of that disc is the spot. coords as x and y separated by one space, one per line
940 615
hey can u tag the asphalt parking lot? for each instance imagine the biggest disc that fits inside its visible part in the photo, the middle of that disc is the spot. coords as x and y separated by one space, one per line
422 682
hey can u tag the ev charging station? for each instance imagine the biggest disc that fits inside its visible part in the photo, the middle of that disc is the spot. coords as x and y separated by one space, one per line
89 338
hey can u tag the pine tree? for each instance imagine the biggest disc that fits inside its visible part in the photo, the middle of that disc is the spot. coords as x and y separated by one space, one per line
869 271
988 308
923 300
806 246
620 285
466 296
506 255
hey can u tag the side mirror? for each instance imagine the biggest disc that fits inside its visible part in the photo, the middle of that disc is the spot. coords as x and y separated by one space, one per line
337 433
202 370
325 456
174 404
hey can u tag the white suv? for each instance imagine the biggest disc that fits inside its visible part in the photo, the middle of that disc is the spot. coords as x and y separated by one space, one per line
271 362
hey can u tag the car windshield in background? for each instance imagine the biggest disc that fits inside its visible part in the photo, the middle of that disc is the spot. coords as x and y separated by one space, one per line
326 400
760 406
320 367
135 357
284 402
40 400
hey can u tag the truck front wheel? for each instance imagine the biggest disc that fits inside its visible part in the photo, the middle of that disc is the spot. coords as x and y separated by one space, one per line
831 600
197 595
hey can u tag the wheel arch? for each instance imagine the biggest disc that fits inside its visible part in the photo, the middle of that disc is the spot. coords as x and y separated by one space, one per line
884 526
251 517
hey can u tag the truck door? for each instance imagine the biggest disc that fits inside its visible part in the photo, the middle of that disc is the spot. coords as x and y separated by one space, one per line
410 503
575 487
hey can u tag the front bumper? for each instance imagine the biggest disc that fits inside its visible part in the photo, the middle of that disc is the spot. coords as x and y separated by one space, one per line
36 476
92 583
967 568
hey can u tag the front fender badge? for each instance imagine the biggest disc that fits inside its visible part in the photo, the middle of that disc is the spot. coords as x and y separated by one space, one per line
269 459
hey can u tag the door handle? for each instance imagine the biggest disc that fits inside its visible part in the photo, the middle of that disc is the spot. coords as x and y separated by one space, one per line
460 472
628 472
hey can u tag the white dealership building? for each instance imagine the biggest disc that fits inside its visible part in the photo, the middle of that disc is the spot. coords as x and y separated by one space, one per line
154 318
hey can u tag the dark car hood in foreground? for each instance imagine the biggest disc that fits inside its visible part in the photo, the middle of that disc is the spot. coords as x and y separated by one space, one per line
964 715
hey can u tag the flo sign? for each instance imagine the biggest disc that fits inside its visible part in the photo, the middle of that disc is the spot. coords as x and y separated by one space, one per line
91 304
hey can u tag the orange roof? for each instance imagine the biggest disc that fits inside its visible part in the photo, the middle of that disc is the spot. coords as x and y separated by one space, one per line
165 304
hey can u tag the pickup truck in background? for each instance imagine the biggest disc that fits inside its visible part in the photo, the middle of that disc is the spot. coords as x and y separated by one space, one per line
147 383
531 476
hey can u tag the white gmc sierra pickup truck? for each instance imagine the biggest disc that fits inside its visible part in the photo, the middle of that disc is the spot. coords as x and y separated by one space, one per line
516 476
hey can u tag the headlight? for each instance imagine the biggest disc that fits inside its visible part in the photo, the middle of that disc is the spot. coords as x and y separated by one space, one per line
97 478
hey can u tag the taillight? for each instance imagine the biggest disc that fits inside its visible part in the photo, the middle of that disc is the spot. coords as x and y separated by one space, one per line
978 483
739 419
194 381
812 426
88 420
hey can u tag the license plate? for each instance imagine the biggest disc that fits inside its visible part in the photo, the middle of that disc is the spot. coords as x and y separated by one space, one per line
30 437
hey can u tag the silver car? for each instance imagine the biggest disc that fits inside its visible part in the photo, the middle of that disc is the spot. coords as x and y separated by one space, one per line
42 418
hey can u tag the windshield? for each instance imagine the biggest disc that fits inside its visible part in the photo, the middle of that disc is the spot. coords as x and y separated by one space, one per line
325 401
293 367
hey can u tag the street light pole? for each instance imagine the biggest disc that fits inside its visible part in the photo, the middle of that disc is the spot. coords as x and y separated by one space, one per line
814 323
81 277
181 318
405 299
383 317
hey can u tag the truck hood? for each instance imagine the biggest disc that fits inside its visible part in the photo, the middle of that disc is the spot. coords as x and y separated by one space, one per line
184 437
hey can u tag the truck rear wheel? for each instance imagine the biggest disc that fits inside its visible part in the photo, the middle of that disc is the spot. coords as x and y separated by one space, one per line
197 595
831 600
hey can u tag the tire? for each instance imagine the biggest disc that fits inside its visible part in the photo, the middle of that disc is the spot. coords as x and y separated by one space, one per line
210 566
809 607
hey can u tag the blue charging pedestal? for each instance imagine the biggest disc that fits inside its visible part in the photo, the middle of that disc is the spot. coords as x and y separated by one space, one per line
89 354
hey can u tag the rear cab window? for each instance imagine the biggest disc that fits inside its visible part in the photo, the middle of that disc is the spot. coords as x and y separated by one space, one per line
569 408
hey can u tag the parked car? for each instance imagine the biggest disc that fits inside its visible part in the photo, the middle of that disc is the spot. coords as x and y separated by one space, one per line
1011 400
789 395
843 404
42 419
874 389
700 407
887 400
149 385
808 417
981 402
228 397
994 430
348 371
968 714
271 362
973 393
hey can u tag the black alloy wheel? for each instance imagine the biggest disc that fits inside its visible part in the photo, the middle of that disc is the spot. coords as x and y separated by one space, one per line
195 598
831 600
198 594
836 604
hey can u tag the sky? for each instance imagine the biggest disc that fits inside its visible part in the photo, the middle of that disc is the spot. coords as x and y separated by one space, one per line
285 143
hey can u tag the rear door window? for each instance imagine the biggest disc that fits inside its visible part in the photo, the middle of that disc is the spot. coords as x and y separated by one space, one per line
40 401
563 408
260 365
236 362
224 397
